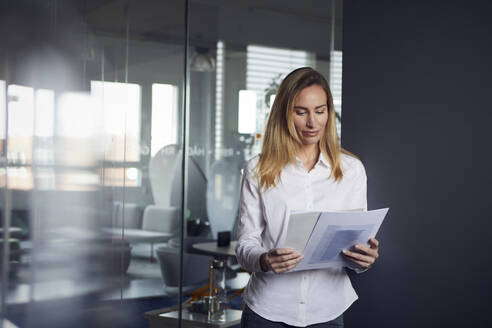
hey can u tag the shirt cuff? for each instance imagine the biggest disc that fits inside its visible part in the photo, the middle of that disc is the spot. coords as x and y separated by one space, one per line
360 270
249 257
254 260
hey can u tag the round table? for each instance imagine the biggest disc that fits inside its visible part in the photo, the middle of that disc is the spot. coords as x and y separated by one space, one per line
222 252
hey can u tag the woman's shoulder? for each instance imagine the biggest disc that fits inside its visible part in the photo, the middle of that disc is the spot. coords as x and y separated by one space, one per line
350 160
351 165
251 163
250 168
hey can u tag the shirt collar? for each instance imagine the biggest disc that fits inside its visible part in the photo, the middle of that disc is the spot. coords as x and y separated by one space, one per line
321 160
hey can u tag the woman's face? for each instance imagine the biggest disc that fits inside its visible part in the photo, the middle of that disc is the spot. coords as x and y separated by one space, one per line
310 114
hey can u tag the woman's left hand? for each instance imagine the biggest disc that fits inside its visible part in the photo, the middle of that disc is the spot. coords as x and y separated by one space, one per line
365 256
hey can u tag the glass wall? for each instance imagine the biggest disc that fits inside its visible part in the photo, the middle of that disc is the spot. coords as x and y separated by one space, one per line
91 111
122 122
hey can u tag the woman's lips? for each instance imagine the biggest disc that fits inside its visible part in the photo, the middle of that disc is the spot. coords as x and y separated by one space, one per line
310 133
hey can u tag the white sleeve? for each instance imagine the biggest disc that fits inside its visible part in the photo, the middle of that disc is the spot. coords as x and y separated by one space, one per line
360 196
360 191
251 224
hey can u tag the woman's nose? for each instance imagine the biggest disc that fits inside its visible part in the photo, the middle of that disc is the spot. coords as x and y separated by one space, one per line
310 121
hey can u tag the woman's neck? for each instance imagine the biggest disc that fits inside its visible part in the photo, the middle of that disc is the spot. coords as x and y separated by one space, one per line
309 155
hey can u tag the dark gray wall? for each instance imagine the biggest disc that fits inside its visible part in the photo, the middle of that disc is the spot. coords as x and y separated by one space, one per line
417 109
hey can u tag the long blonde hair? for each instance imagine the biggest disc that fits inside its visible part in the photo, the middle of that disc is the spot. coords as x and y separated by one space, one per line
281 141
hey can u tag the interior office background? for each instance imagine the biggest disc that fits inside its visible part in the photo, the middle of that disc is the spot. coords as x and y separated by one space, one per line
94 89
102 104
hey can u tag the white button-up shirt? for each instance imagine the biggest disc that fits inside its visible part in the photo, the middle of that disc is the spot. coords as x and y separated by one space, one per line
297 298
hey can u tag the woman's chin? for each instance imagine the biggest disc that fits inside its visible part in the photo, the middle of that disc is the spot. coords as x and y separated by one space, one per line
310 141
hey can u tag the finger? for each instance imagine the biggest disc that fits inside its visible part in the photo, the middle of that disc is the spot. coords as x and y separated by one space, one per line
285 264
359 257
362 264
281 251
283 258
374 242
286 268
369 251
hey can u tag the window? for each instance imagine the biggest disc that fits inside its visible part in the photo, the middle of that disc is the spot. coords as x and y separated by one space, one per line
120 104
219 98
3 114
336 84
164 116
265 69
20 124
247 112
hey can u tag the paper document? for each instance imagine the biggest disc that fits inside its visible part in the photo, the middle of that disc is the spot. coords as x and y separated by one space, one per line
321 236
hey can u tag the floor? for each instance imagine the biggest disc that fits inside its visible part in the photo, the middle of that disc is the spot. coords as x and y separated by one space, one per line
117 301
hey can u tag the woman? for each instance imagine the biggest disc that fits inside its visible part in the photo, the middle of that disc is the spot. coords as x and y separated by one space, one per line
301 167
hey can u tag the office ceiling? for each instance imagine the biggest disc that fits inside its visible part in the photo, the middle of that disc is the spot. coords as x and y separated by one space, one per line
274 22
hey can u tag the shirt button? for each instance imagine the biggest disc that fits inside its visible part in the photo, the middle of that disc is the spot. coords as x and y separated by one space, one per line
302 302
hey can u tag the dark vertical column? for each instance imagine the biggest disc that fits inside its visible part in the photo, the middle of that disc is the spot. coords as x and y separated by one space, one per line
417 109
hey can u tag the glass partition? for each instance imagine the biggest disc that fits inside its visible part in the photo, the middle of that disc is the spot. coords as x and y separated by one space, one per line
90 114
239 52
98 118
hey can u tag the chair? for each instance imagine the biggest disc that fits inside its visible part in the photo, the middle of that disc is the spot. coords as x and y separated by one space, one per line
160 221
165 176
195 266
132 215
223 195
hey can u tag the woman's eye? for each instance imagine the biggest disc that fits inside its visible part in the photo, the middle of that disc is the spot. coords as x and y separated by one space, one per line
300 113
320 112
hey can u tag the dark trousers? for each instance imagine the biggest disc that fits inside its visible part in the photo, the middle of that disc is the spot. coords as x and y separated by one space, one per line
250 319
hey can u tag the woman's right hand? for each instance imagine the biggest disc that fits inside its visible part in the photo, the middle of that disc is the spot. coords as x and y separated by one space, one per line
280 260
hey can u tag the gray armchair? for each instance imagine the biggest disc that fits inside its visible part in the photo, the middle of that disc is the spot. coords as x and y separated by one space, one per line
195 266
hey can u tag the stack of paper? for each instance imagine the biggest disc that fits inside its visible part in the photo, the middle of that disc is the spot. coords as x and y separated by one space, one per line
321 236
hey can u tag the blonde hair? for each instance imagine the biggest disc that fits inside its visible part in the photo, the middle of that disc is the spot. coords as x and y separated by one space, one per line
281 141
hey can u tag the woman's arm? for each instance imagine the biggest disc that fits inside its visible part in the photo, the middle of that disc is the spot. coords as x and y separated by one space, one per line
250 252
250 225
